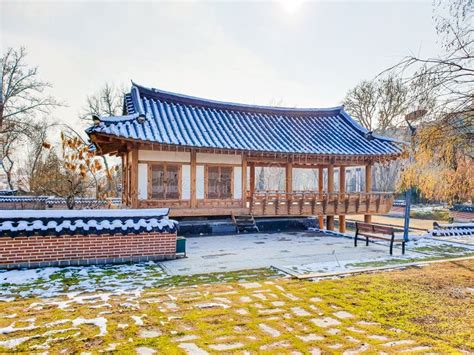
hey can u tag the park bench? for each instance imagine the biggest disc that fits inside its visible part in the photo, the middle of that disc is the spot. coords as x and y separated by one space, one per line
374 231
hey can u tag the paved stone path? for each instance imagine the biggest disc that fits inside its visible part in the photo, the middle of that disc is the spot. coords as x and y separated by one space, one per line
250 251
273 315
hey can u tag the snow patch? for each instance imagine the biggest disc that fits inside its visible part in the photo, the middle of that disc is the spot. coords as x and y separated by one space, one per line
100 322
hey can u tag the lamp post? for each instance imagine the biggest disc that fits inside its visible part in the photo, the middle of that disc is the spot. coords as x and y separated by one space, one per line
411 117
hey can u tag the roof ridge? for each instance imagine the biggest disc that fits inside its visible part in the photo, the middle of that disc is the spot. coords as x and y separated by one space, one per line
203 102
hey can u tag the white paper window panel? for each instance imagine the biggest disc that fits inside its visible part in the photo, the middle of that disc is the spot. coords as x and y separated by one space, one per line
200 182
142 181
186 182
237 182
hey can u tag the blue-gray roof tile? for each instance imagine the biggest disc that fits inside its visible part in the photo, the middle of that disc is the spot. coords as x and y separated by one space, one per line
175 119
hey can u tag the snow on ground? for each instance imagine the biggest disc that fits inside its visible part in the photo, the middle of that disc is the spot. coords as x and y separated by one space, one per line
302 252
19 277
417 249
49 282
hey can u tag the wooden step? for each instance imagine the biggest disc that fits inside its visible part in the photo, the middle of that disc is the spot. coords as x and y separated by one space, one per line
244 223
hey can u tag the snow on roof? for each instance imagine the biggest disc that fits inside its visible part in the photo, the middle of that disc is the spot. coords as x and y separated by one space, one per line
57 200
68 222
102 213
182 120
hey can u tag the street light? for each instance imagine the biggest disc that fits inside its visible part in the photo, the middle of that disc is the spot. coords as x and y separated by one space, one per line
411 117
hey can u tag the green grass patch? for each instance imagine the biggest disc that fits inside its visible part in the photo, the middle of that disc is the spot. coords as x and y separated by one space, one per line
438 215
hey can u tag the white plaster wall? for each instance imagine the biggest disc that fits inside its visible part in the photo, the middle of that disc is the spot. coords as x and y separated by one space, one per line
199 182
151 155
186 182
237 182
218 158
142 181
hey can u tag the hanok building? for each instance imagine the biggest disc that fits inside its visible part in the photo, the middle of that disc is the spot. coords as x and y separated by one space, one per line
198 157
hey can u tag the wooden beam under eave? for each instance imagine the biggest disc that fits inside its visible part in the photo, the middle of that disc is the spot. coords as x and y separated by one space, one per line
253 156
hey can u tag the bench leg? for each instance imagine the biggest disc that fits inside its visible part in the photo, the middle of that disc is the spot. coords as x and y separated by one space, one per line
403 248
391 247
355 240
366 241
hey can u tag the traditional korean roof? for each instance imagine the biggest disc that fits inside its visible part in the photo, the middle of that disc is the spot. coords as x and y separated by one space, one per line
162 117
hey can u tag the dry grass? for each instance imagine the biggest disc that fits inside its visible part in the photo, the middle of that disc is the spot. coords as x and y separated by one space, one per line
417 310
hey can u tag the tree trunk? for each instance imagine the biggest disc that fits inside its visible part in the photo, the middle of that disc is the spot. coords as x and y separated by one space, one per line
1 112
70 202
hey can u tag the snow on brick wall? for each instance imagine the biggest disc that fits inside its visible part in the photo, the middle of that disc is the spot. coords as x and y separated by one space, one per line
85 249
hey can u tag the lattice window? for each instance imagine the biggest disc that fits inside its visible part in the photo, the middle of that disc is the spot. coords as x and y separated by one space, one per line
219 182
165 182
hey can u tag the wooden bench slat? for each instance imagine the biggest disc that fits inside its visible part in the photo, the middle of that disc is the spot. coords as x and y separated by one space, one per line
374 231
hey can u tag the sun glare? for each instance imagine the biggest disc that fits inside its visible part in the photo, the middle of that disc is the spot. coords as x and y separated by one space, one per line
291 7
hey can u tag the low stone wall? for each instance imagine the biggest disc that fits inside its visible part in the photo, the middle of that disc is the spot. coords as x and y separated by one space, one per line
86 238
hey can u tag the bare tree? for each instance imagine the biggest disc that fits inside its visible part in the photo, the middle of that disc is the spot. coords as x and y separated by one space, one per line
450 74
108 101
54 176
36 151
379 105
8 144
22 97
362 102
74 172
22 93
443 167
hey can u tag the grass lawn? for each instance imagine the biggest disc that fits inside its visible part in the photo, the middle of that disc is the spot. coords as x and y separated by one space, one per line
416 310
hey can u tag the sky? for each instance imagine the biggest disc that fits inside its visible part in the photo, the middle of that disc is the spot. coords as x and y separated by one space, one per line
294 53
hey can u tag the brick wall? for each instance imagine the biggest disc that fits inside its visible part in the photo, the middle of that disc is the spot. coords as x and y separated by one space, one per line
89 249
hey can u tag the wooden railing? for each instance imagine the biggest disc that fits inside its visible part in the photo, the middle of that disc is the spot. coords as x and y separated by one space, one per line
309 203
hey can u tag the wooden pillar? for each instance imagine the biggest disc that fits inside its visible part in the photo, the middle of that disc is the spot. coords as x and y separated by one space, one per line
193 179
252 179
368 187
134 178
124 178
289 178
320 190
244 181
342 191
330 219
